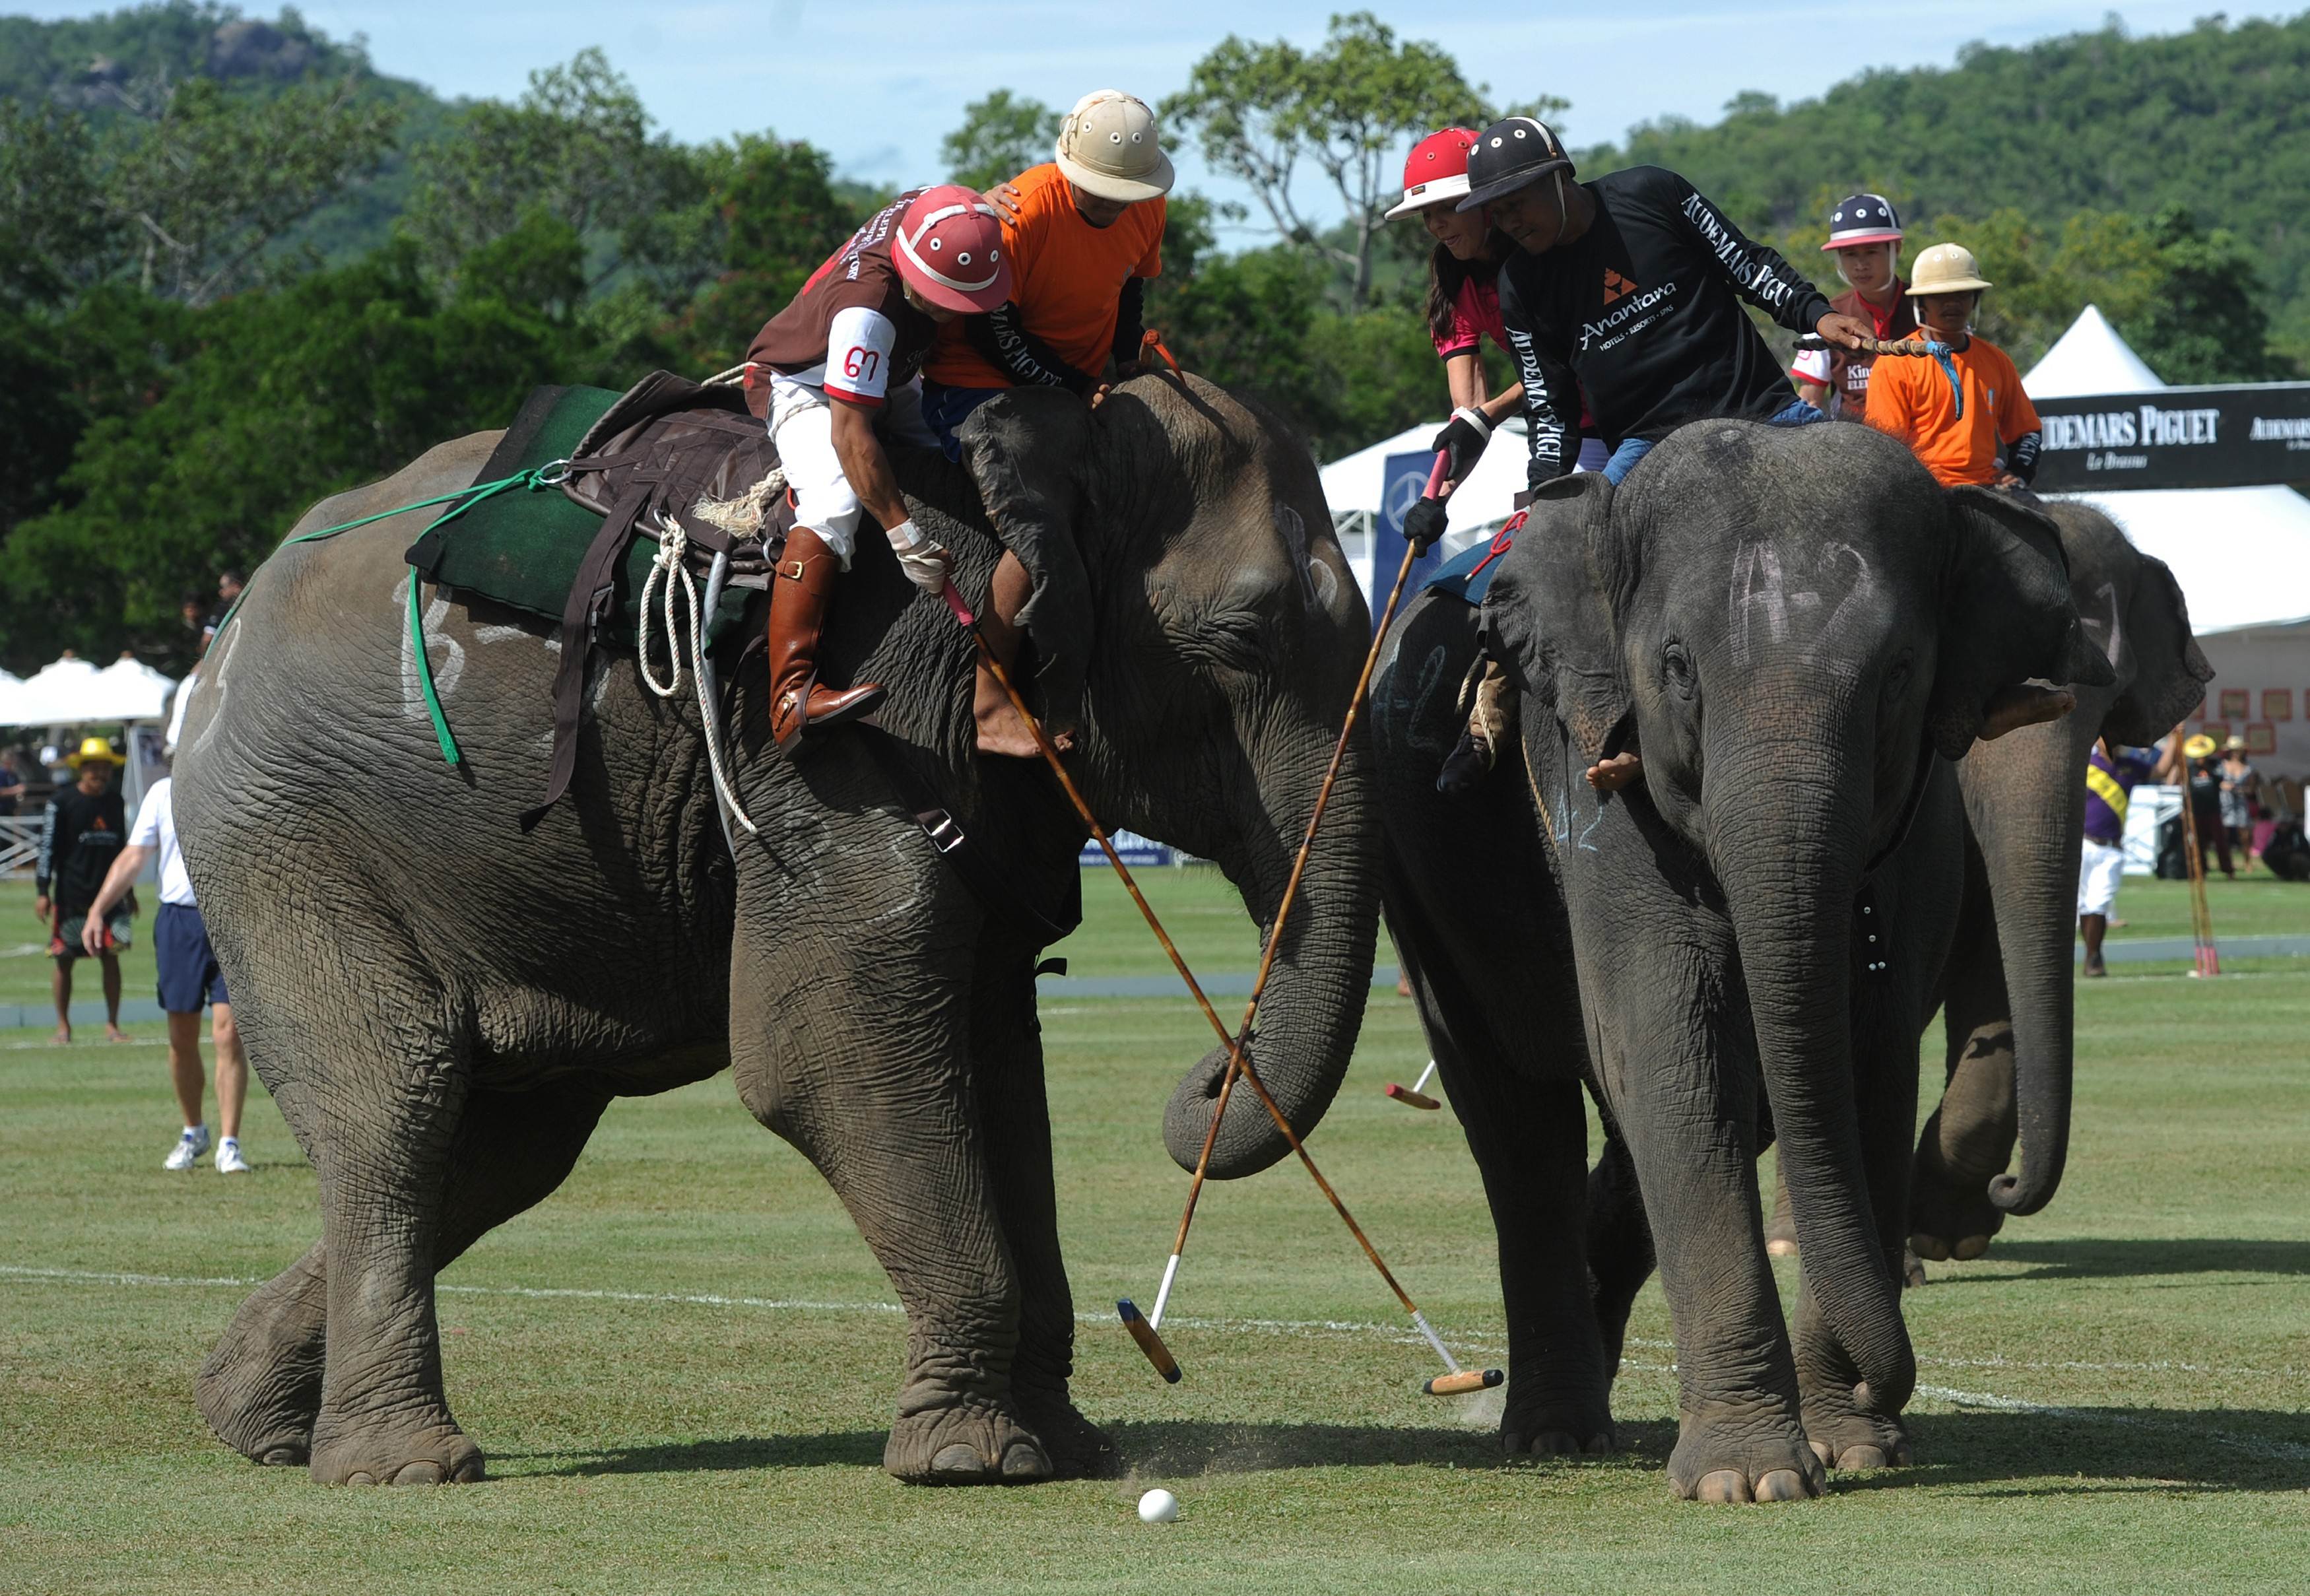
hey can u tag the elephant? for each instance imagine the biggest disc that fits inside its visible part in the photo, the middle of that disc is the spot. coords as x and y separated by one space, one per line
2010 988
443 1005
1799 631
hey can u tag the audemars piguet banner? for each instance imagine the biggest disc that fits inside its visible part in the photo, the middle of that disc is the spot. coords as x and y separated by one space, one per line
2178 438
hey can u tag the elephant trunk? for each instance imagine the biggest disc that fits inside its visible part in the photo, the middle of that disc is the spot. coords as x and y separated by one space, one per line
1313 1005
2030 839
1789 829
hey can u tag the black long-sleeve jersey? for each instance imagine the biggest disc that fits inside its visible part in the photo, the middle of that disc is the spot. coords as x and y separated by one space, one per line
1642 313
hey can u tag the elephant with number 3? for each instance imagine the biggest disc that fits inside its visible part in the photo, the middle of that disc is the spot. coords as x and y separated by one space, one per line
1799 631
444 1005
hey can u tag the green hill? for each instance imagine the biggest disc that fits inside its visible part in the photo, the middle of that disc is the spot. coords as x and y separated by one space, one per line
2216 119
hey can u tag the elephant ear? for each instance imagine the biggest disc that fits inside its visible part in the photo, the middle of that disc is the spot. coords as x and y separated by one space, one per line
1548 614
1026 449
2170 671
2007 615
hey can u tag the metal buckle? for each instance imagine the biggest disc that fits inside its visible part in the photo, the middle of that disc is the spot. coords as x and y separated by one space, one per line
940 827
544 481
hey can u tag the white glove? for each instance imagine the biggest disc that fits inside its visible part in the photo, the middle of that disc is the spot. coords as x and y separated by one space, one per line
925 562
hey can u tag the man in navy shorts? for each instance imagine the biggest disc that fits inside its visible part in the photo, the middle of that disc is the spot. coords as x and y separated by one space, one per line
190 978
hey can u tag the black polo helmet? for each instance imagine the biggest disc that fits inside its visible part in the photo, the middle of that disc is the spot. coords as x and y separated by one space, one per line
1510 154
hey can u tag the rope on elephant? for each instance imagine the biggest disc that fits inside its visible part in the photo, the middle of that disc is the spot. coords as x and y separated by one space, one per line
461 500
671 563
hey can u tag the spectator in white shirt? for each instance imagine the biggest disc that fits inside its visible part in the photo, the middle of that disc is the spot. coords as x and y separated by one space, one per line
190 978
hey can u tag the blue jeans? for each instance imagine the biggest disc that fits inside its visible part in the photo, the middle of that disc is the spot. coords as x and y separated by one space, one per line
1798 414
944 409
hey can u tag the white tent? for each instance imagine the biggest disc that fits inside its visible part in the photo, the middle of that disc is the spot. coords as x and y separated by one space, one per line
71 692
2242 556
1352 487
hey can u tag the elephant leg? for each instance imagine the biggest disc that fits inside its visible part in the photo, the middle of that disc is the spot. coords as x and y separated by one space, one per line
1523 1117
1968 1139
1620 1257
1683 1085
867 1073
260 1389
1007 1057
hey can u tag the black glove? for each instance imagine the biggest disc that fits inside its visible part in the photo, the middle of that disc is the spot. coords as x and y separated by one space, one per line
1462 441
1423 523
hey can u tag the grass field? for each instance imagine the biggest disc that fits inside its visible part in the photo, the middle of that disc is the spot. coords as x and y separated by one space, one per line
681 1366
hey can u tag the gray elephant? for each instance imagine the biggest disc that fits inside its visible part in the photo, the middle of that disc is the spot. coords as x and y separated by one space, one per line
1799 631
2009 1006
443 1005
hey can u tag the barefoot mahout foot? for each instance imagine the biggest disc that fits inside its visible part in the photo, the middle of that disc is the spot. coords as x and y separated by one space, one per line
1609 775
975 1442
1763 1458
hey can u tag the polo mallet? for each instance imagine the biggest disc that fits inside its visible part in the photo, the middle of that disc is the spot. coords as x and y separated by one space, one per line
1414 1096
1143 1328
1939 351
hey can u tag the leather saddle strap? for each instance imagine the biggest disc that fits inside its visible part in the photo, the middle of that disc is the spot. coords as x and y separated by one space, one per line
979 874
590 595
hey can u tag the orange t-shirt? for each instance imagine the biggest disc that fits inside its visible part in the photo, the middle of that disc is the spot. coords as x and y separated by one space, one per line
1909 397
1070 278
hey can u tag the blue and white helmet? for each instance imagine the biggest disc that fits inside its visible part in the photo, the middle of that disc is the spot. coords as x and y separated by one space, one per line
1862 219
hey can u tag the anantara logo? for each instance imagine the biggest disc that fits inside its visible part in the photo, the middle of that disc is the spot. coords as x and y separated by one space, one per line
1616 287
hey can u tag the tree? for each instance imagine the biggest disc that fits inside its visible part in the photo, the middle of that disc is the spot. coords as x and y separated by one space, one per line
1348 108
208 182
580 144
1000 136
52 238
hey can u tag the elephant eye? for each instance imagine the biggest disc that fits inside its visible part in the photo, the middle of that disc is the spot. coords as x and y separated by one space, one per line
1230 640
1676 669
1897 677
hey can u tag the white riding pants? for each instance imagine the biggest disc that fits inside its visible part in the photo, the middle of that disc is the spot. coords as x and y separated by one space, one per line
801 424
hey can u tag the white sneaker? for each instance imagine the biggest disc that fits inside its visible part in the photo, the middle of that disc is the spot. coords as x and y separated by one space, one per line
189 1147
228 1160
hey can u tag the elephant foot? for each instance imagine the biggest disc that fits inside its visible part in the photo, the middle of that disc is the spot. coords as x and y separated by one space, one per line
260 1387
1853 1440
1077 1449
972 1442
1556 1428
1913 1272
1749 1457
431 1454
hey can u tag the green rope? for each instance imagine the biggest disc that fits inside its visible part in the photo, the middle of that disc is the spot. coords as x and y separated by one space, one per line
465 500
425 676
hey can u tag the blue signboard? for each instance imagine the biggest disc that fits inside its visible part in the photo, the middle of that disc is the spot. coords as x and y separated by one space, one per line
1135 851
1402 479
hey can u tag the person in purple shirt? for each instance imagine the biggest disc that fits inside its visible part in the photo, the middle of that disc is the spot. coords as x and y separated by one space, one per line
2111 777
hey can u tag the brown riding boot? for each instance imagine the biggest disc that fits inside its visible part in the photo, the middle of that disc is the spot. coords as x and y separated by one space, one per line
800 590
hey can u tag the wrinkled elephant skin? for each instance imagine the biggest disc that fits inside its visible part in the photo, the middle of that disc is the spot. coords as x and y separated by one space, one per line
1747 940
443 1005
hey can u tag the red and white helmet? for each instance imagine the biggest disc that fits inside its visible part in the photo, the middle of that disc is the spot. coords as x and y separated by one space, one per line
1436 170
950 250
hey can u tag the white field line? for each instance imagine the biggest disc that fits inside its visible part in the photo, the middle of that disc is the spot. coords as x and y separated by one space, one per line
2277 1450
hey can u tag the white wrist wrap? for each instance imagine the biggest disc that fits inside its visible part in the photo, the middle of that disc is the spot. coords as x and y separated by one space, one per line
906 535
1474 418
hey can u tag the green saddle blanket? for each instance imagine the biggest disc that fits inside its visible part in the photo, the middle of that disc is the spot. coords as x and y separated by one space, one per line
523 548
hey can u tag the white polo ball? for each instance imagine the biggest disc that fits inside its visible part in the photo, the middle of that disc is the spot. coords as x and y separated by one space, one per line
1158 1506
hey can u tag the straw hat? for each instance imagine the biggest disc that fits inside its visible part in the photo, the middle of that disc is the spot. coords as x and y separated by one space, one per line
94 751
2235 745
2198 747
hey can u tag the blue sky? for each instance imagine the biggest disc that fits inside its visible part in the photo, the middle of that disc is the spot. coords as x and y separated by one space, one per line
879 82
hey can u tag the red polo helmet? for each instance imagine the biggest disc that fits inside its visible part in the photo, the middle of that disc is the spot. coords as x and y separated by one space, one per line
950 250
1436 170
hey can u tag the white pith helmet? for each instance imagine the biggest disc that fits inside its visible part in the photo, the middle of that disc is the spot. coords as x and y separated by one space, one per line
1946 269
1108 145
